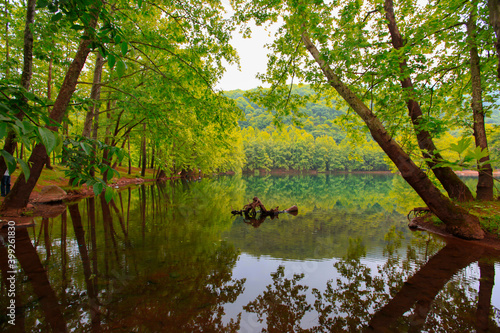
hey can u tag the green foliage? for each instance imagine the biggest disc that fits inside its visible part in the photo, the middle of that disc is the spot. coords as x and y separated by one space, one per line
296 149
353 40
468 158
83 157
21 113
435 220
163 61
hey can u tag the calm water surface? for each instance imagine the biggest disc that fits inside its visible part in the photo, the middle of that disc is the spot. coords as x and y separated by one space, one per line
170 257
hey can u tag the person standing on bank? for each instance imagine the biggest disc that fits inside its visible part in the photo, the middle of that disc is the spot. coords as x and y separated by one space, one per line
5 183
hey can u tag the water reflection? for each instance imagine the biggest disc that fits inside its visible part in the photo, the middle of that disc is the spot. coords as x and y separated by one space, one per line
432 298
171 257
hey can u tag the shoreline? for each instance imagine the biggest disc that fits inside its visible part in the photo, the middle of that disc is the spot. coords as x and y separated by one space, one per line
36 209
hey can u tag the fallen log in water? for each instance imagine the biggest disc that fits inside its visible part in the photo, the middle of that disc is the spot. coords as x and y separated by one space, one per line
250 209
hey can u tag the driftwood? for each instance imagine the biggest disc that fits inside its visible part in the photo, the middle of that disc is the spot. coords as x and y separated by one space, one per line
250 209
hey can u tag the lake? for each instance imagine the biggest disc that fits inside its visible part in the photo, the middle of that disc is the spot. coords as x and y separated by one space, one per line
170 257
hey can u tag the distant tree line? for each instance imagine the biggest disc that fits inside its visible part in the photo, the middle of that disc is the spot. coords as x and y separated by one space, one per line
315 141
296 149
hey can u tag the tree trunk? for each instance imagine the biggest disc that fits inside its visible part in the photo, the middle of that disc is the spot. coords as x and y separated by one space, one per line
457 220
451 182
152 166
129 156
107 140
10 142
7 47
49 97
144 151
49 81
28 45
494 9
20 193
485 179
95 96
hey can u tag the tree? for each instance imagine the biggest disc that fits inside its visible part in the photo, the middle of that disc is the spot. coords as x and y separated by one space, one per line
10 141
485 181
19 196
162 64
353 52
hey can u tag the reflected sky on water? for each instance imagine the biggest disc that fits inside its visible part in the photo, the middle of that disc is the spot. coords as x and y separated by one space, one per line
171 257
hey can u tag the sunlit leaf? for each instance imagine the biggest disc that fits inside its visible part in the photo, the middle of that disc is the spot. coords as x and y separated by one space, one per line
25 169
10 161
108 195
124 48
111 61
120 68
48 138
98 187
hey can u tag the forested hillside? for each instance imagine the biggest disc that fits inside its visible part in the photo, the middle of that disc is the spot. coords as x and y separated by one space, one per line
322 138
314 140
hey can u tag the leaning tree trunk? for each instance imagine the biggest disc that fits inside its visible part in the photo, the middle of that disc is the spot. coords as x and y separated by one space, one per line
485 179
451 182
457 220
10 142
20 193
494 9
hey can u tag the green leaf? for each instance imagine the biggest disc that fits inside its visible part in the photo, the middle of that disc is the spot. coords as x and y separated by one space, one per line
98 187
59 144
109 174
478 153
139 3
42 3
56 17
3 130
77 27
9 160
120 68
86 148
25 169
48 139
461 145
108 195
111 61
124 48
28 126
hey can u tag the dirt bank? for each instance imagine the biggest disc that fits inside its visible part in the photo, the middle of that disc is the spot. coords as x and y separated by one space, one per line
56 177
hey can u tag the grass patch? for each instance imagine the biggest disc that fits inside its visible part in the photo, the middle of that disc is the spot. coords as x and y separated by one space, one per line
57 177
488 213
435 220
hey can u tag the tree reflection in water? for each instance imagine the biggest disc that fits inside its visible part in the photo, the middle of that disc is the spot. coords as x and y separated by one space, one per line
95 269
154 260
434 298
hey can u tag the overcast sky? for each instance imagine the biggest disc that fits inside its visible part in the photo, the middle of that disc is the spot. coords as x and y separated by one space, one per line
253 60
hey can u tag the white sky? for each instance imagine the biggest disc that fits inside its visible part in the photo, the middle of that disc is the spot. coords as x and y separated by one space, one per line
253 60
